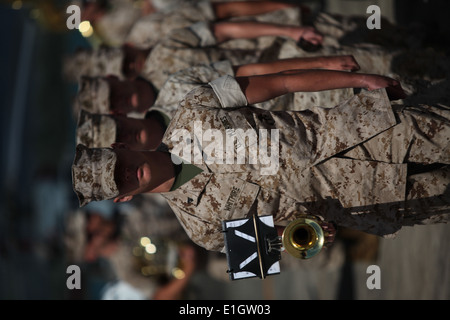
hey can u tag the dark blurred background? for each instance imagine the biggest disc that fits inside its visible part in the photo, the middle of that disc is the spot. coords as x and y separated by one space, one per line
37 144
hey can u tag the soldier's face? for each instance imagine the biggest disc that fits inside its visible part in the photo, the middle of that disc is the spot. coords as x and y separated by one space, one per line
134 61
134 132
130 95
132 172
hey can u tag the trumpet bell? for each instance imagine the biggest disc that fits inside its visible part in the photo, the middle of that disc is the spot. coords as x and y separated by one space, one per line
303 238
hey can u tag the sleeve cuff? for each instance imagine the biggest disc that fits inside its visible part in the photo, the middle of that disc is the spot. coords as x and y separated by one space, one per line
224 67
228 92
204 33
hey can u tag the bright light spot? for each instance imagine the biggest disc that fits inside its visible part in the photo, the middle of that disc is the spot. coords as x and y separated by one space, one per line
17 5
150 248
145 241
178 273
86 29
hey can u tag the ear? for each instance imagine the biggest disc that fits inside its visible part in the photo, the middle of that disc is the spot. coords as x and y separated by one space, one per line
122 199
120 145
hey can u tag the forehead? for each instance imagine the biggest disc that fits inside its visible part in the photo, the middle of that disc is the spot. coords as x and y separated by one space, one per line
128 158
124 156
123 160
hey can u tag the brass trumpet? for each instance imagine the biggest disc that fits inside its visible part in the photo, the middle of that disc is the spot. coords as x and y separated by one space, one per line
303 238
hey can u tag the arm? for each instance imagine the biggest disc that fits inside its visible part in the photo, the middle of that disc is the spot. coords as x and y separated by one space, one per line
225 10
264 87
180 83
224 31
332 63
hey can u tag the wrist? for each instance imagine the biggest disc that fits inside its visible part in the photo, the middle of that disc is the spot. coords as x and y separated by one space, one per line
362 81
325 62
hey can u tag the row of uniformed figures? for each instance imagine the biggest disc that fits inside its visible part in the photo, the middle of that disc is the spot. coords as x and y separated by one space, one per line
111 88
130 91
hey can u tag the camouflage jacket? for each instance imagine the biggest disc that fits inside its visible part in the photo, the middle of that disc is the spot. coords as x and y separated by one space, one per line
180 83
187 47
148 30
308 177
188 43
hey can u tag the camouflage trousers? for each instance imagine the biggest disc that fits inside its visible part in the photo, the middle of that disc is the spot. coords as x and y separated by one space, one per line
422 138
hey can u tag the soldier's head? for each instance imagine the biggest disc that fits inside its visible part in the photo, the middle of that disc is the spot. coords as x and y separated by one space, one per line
125 62
113 173
134 60
111 95
101 130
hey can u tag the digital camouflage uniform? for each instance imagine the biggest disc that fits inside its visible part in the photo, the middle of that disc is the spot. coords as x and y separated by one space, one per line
93 174
115 24
187 47
183 81
95 130
148 30
193 45
313 176
92 96
100 130
101 61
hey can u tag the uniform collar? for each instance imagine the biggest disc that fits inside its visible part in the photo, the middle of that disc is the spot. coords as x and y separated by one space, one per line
189 193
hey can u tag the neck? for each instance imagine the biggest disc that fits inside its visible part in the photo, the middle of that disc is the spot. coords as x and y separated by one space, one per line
163 172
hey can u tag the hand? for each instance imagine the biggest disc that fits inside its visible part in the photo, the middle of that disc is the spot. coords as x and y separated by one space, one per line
329 230
311 35
393 87
341 63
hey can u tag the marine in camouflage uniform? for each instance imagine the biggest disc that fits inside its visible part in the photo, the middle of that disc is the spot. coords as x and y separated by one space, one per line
111 95
186 47
347 164
148 30
98 128
371 194
183 81
103 130
117 21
